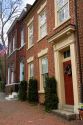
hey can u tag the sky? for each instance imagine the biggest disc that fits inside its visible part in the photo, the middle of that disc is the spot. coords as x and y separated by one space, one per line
28 1
22 7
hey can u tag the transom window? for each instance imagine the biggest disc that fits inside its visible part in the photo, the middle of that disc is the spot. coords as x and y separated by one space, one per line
42 24
30 35
62 10
67 54
31 70
44 70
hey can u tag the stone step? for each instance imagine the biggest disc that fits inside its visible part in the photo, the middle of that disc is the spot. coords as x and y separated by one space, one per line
13 96
69 108
65 114
11 99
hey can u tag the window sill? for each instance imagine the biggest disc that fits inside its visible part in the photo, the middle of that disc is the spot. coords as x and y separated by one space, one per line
12 84
41 91
41 38
21 46
30 47
12 52
58 25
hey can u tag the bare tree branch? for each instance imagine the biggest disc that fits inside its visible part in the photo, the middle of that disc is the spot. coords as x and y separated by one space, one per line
9 10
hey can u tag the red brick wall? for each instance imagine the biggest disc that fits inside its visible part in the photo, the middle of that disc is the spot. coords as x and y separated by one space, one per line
15 56
80 30
42 44
80 40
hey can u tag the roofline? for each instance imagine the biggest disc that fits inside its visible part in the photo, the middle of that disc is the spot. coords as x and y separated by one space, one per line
12 25
22 15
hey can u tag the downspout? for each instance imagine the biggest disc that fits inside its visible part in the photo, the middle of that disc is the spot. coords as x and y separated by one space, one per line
78 48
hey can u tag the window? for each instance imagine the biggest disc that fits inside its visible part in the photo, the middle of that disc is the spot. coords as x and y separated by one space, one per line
44 71
42 24
21 71
12 77
30 35
8 75
22 37
31 70
67 54
14 43
9 48
62 10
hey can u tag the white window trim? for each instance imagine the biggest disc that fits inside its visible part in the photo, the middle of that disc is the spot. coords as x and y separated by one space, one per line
30 21
43 52
21 46
56 17
12 84
29 69
30 59
42 8
41 89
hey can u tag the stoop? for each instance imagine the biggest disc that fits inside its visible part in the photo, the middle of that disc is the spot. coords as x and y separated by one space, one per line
65 114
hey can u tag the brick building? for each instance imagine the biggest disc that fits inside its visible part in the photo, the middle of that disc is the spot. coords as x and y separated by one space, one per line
16 53
53 36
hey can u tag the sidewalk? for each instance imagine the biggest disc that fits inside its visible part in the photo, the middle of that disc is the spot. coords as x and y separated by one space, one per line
2 96
22 113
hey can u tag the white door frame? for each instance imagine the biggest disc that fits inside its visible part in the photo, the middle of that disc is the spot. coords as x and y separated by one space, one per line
60 45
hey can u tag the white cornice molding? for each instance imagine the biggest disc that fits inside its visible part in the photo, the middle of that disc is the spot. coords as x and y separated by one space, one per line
65 32
42 7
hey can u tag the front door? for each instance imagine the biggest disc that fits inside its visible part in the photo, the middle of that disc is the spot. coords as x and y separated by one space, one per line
68 83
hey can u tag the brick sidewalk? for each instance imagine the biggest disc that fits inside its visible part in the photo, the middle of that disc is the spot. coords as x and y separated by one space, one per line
22 113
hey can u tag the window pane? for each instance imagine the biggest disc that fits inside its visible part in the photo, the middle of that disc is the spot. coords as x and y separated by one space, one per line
66 11
43 24
22 37
67 54
21 71
44 65
31 70
63 14
61 3
44 76
30 41
62 10
30 35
